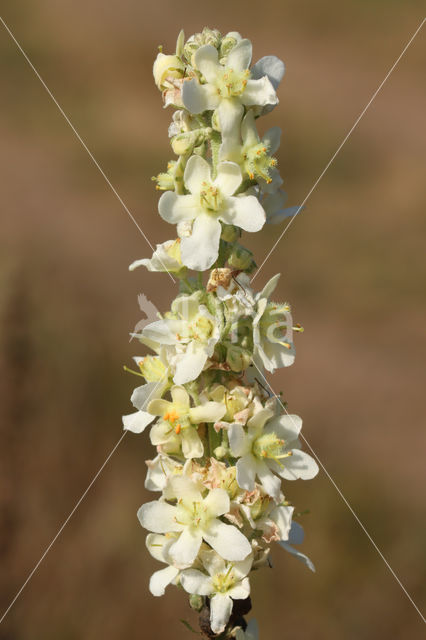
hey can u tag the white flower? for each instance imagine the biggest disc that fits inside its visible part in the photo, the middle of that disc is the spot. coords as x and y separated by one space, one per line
225 581
254 155
196 519
137 422
270 322
208 203
178 426
296 536
192 330
270 447
159 471
251 633
158 546
264 515
166 257
227 88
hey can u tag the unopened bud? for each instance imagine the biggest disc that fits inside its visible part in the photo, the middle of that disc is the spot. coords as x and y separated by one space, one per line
242 259
184 143
167 67
196 602
230 233
220 452
226 46
237 358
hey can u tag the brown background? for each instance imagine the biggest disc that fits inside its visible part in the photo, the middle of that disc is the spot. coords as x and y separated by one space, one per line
353 266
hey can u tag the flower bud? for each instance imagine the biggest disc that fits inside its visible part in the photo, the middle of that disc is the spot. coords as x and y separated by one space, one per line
220 452
165 181
227 44
242 259
230 233
196 602
167 67
237 358
184 143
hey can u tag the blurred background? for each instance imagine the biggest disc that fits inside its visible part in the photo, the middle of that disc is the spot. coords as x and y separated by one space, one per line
353 266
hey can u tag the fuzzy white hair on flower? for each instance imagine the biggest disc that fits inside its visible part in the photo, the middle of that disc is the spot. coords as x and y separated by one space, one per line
223 583
177 428
270 446
227 89
209 202
195 518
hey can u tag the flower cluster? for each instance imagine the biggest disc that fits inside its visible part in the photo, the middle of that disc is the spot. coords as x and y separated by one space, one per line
224 445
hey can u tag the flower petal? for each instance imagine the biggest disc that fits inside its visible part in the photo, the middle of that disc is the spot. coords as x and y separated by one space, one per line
241 591
185 549
190 364
161 579
245 212
180 397
248 130
299 466
145 393
298 554
220 611
282 517
217 502
239 57
270 482
206 60
259 93
197 171
270 286
230 543
229 177
272 138
175 208
287 427
192 447
200 250
207 412
238 440
158 517
296 535
246 472
193 581
183 487
230 112
270 66
198 97
137 422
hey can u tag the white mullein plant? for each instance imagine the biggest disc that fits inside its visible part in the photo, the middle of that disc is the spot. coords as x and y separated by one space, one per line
226 452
